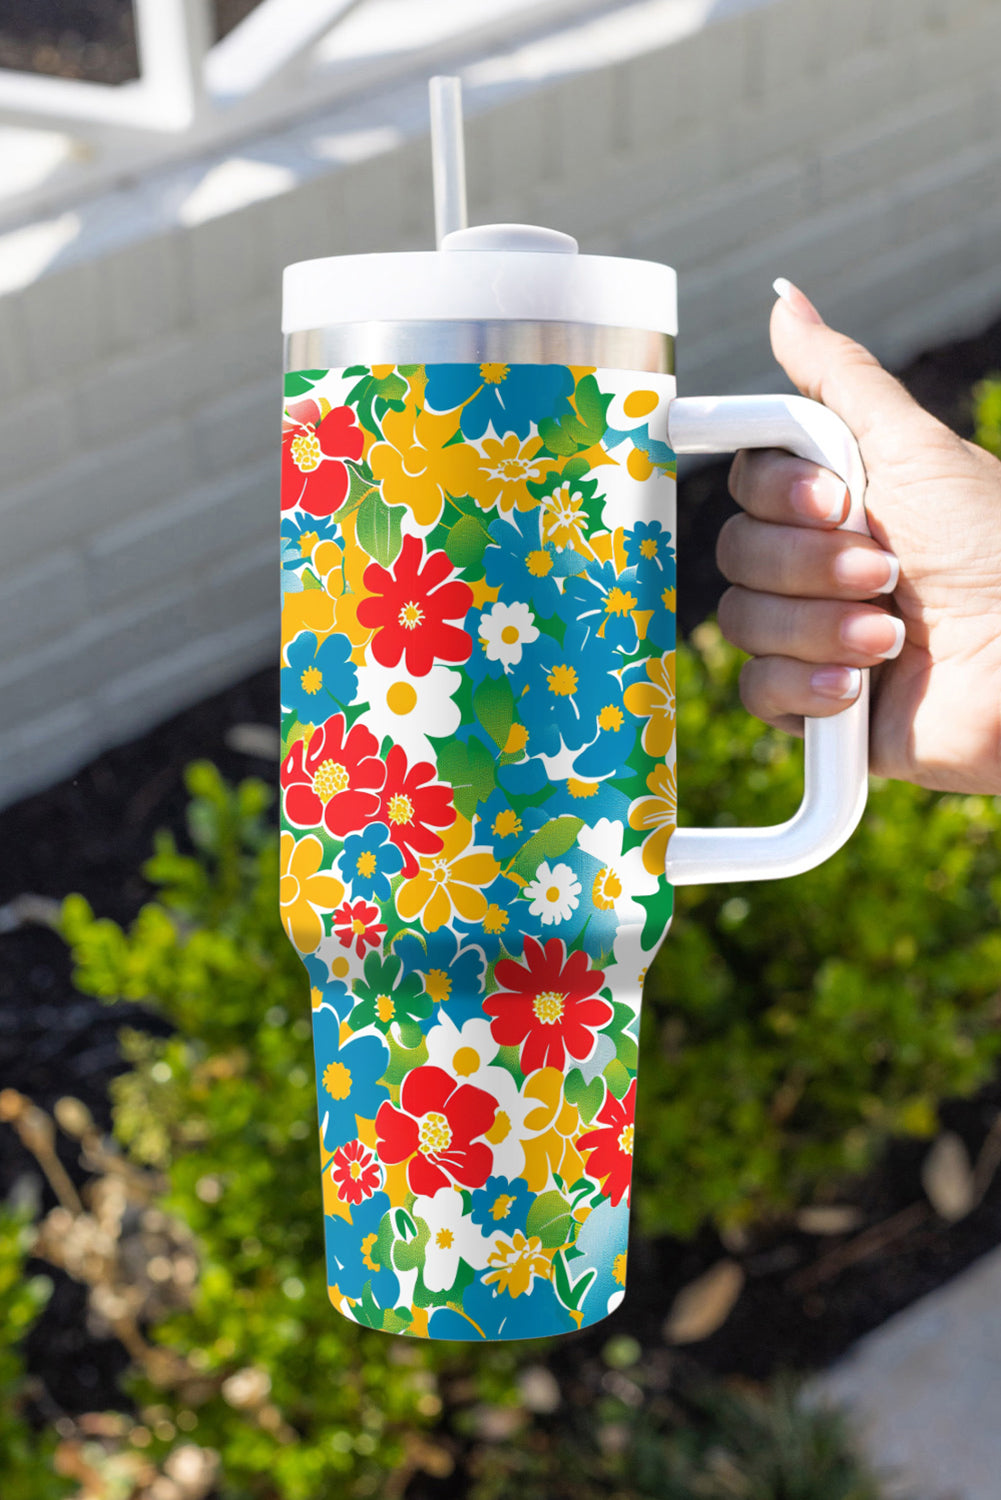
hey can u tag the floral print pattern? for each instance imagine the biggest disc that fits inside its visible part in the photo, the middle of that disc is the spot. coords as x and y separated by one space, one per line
478 789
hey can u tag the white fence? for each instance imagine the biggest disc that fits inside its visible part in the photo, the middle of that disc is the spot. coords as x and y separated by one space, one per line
853 145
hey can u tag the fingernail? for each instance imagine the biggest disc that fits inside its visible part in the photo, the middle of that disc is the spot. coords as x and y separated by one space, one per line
796 302
869 572
874 635
822 498
837 682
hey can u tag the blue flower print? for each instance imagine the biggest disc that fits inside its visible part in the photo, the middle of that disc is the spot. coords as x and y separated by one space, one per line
590 800
300 534
368 860
604 600
502 1203
318 678
347 1268
505 924
567 688
525 566
509 396
325 989
490 1314
291 559
617 734
604 1238
649 551
347 1078
452 976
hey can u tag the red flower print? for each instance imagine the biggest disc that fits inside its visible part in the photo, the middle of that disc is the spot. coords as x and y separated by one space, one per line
356 922
550 1005
313 446
335 780
436 1131
355 1171
409 608
610 1145
412 804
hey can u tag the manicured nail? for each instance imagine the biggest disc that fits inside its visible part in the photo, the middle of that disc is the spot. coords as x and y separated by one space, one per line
837 682
796 302
867 571
822 498
874 635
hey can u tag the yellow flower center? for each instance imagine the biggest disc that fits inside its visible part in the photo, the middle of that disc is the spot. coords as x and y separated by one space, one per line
648 547
443 1239
493 374
329 779
439 873
619 602
513 469
501 1207
548 1006
307 542
610 717
311 680
539 564
553 893
607 887
367 1246
410 615
385 1007
340 968
435 1133
626 1140
355 1170
401 809
337 1080
506 823
496 919
466 1061
365 864
619 1268
510 634
357 927
306 453
401 698
438 985
581 788
562 681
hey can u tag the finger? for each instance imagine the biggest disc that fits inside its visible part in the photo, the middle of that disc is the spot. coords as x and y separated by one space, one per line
830 367
810 630
781 691
801 563
776 486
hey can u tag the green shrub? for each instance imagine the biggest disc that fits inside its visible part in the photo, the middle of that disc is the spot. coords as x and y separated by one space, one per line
789 1027
987 414
25 1456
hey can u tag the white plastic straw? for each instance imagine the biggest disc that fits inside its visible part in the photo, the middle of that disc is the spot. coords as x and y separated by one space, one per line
448 157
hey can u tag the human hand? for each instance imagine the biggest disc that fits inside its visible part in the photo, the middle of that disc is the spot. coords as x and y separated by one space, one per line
798 601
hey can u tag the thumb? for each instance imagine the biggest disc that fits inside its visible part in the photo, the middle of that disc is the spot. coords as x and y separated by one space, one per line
829 367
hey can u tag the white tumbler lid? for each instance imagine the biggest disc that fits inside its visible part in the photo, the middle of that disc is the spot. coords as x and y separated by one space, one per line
494 272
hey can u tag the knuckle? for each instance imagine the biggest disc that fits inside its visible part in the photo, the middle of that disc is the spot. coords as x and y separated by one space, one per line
729 614
728 548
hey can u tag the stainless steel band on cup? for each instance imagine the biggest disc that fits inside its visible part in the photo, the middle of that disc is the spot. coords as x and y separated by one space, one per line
521 343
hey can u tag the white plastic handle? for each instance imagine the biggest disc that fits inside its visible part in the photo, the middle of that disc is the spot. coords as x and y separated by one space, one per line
836 749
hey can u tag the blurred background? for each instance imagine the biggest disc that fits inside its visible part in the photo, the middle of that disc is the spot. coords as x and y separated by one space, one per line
817 1204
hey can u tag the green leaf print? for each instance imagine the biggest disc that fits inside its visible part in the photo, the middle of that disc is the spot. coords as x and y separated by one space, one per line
379 529
592 407
586 1096
493 705
555 439
551 1219
466 543
570 1293
300 381
552 840
618 1078
469 769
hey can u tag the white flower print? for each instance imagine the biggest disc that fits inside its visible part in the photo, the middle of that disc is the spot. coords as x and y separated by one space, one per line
452 1236
406 707
554 893
506 628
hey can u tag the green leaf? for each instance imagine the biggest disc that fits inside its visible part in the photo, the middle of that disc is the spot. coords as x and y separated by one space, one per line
493 704
586 1096
379 529
467 541
570 1293
469 769
553 839
555 439
618 1078
551 1219
592 406
297 382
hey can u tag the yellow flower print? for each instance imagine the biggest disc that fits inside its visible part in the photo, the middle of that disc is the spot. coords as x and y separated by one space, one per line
564 522
654 701
659 813
414 465
303 887
450 881
517 1260
556 1123
505 470
342 574
619 1268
